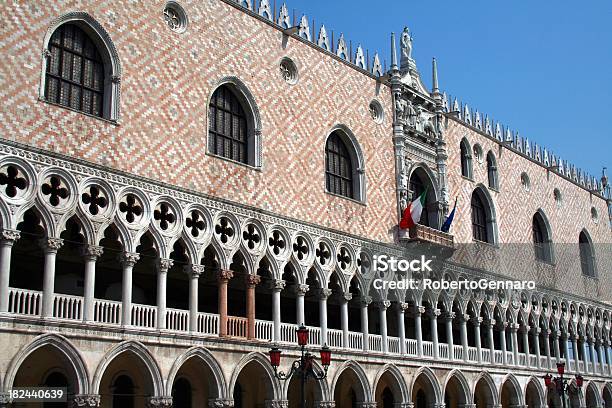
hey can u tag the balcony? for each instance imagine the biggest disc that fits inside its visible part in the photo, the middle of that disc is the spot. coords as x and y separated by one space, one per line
434 239
27 304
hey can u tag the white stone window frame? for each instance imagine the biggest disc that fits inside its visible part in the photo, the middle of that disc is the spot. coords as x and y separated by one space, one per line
254 125
548 238
357 162
112 64
182 14
491 213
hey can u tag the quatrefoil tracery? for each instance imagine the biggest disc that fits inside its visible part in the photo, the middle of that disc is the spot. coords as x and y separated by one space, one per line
344 258
164 216
94 199
363 263
251 236
224 230
300 248
131 207
196 224
276 242
56 189
323 253
12 179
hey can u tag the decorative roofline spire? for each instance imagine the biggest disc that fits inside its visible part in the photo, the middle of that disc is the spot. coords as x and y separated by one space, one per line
393 53
434 67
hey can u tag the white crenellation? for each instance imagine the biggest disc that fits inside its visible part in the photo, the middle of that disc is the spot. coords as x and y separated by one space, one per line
360 58
265 10
342 50
304 28
323 41
477 121
498 132
488 128
283 17
376 66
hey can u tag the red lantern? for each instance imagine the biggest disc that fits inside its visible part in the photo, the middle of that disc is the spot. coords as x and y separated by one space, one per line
325 356
579 381
275 355
302 335
547 380
561 368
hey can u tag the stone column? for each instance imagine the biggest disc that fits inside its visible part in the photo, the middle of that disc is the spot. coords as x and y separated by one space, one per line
344 318
514 333
91 253
86 400
593 356
547 348
7 240
525 333
477 321
50 247
609 358
251 282
502 342
162 277
556 335
382 307
565 340
323 295
365 301
448 317
433 319
128 260
601 357
401 326
576 352
300 291
418 310
491 340
536 344
223 279
194 272
464 339
277 286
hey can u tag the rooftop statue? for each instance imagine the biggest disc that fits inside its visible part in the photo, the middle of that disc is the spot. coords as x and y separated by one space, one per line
406 46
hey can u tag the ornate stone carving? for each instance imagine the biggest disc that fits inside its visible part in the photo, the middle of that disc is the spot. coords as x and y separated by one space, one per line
323 41
324 293
194 270
278 284
92 252
9 235
342 50
365 300
220 403
283 17
360 58
304 29
160 402
51 244
405 48
325 404
225 275
347 296
301 289
252 280
277 404
5 398
86 400
129 258
164 264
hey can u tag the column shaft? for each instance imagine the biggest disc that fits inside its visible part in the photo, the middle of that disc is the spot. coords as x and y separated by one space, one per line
383 325
91 254
434 333
364 323
449 336
252 281
276 310
477 338
401 326
344 319
6 246
128 260
224 277
50 246
418 329
502 343
464 339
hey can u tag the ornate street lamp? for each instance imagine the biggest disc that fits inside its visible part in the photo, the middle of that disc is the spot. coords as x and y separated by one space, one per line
560 383
304 365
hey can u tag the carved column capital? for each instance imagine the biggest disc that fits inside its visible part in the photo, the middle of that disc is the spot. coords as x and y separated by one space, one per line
160 402
324 293
115 79
225 275
434 313
129 258
252 280
365 300
9 236
384 304
347 296
164 264
5 398
92 252
419 310
51 245
449 315
325 404
278 285
476 321
301 289
276 404
220 403
194 271
403 306
86 400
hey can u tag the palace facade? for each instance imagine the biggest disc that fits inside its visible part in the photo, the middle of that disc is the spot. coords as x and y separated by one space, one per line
183 183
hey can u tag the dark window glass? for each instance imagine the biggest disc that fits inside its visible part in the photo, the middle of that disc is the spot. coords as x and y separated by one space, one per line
417 187
540 241
75 71
465 160
479 219
491 171
227 131
586 255
338 167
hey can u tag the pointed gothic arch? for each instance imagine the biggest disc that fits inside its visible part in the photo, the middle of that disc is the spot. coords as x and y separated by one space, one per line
542 237
422 179
344 164
484 219
205 358
358 387
466 158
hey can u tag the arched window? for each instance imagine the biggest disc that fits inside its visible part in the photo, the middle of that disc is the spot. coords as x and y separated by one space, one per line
419 182
483 217
466 159
342 166
541 238
492 171
587 260
75 75
228 129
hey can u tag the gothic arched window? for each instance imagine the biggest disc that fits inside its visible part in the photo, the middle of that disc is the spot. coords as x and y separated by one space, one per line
484 226
228 129
75 75
492 171
338 167
417 187
466 159
541 238
587 259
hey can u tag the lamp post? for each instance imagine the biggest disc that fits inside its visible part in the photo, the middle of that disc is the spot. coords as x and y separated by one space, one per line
560 383
304 365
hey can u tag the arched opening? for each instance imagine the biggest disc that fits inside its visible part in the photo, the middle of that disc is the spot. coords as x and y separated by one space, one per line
466 159
553 399
194 383
424 392
354 306
47 366
607 396
182 394
349 390
207 283
574 396
591 398
311 300
587 257
289 295
334 301
419 183
388 390
455 393
126 382
144 275
510 395
253 386
236 297
69 275
541 238
27 259
263 292
492 171
532 395
484 227
312 392
109 273
484 394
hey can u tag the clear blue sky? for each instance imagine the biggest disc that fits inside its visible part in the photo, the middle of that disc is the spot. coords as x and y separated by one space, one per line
543 68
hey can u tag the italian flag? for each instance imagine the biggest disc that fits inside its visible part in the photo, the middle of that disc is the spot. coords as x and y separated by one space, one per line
412 213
